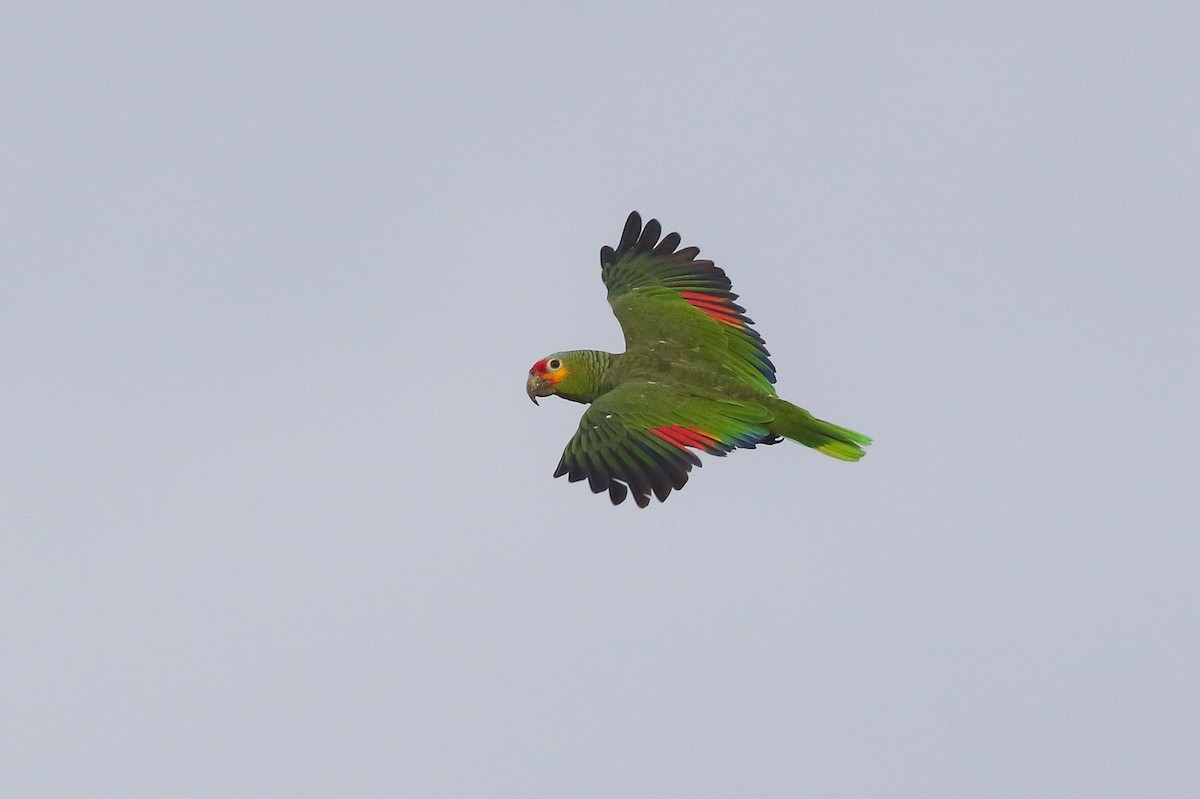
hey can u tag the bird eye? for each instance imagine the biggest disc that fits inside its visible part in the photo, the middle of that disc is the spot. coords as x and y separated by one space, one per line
554 364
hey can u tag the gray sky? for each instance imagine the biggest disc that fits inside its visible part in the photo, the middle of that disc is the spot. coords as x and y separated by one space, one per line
278 518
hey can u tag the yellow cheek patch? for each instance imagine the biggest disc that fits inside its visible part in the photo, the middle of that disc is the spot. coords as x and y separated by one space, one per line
557 375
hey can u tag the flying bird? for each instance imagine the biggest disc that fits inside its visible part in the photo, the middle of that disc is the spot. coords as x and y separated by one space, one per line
694 376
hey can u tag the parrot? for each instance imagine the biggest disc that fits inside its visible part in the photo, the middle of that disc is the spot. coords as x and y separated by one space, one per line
695 377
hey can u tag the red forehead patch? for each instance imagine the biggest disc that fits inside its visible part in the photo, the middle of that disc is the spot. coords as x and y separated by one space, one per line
538 367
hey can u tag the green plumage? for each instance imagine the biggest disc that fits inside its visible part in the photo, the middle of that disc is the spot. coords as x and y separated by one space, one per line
694 376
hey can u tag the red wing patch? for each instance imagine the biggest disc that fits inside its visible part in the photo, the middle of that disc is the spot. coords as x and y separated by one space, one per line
720 308
687 436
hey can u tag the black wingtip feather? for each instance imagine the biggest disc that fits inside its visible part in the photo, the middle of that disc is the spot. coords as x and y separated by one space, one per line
633 229
638 238
649 237
668 244
597 481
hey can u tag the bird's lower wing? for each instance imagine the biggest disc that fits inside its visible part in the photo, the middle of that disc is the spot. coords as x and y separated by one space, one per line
639 438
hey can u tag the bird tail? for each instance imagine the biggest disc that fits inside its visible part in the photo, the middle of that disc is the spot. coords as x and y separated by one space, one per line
799 425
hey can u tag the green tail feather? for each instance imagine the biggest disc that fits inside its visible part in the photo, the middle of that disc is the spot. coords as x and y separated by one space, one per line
800 425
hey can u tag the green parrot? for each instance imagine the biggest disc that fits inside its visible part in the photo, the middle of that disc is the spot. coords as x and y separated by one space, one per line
694 376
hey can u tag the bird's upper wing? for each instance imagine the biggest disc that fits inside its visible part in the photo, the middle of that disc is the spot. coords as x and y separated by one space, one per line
636 438
661 294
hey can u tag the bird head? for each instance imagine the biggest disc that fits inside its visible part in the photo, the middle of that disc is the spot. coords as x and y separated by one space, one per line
545 375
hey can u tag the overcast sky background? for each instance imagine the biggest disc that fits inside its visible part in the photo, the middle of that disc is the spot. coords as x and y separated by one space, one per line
278 519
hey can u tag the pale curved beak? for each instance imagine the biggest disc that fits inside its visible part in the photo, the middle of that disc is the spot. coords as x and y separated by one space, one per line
537 386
